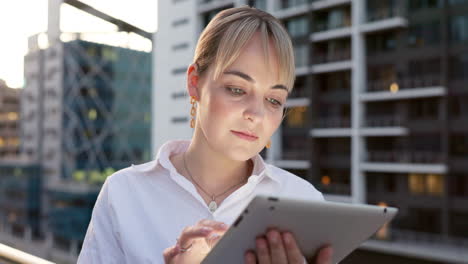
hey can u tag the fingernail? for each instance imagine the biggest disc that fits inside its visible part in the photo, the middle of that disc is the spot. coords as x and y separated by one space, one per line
287 238
261 244
206 229
222 225
273 237
214 236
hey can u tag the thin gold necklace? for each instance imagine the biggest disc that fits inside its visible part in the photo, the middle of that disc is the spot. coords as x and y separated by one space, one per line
212 205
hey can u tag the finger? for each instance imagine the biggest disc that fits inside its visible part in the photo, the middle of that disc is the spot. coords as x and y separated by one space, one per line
213 239
170 253
250 258
293 253
263 253
213 224
275 244
193 232
325 255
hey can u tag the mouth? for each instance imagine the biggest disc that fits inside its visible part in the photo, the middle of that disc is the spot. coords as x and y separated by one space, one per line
245 135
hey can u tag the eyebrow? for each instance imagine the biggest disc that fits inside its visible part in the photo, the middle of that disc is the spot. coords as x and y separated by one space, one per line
249 79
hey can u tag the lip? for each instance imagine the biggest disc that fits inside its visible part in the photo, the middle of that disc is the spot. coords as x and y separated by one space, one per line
245 135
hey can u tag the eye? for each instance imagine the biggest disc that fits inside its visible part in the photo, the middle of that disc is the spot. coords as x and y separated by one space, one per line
274 102
235 90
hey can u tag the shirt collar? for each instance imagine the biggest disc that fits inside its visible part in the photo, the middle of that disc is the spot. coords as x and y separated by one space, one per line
260 169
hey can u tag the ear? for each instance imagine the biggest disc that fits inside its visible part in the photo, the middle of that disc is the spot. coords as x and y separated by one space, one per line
193 81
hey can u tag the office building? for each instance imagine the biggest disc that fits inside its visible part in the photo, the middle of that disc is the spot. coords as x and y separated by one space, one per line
9 122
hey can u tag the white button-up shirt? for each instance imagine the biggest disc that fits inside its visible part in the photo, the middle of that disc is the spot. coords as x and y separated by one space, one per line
141 210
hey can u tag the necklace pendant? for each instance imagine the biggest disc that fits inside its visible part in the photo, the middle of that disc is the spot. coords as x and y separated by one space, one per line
213 206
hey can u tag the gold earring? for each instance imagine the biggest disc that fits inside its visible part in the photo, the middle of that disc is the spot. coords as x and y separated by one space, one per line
268 145
193 101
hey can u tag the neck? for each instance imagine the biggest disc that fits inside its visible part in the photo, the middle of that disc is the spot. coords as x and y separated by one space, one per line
212 170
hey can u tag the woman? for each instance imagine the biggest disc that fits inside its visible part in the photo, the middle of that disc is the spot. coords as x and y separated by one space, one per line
180 204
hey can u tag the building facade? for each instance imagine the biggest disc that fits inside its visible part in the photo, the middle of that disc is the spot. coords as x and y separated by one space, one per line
87 114
9 122
380 100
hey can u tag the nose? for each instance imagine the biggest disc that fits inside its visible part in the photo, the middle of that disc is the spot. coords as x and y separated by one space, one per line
255 110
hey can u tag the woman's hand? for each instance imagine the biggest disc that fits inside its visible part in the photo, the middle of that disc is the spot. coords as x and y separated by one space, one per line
281 248
195 242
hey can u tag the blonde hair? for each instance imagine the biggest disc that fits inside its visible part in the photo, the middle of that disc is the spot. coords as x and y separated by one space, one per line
222 40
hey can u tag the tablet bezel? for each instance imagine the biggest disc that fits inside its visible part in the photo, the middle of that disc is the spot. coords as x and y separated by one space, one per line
332 220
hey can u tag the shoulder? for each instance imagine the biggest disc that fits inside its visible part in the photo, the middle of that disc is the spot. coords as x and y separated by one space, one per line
293 185
128 177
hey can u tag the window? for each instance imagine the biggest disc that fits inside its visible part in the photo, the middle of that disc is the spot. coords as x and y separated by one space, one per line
458 220
295 147
434 184
459 29
457 2
382 42
179 71
458 107
425 69
429 184
183 119
180 46
425 220
206 17
459 145
301 55
180 22
290 3
459 185
424 109
259 4
334 181
338 18
423 35
459 66
416 183
296 117
297 27
378 10
300 89
415 5
335 18
177 95
299 172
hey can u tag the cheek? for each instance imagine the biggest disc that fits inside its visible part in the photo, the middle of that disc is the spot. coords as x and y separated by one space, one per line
274 121
219 107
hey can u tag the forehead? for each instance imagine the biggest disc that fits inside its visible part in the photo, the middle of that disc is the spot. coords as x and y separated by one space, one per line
258 61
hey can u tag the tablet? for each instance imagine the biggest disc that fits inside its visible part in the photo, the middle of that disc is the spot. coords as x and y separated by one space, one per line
313 223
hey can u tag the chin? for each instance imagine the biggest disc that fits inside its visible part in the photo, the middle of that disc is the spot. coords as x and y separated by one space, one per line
242 153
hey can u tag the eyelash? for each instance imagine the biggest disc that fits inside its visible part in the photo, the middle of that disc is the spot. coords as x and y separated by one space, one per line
233 89
235 92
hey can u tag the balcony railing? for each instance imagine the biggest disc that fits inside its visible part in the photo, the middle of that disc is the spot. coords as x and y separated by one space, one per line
285 4
404 157
334 188
336 95
384 13
333 122
331 56
326 25
404 83
335 160
295 155
12 255
423 238
384 121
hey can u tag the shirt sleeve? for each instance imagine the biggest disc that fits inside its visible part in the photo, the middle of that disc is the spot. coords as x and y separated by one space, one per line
101 243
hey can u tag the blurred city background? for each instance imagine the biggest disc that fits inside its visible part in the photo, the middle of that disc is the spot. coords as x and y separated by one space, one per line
378 115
